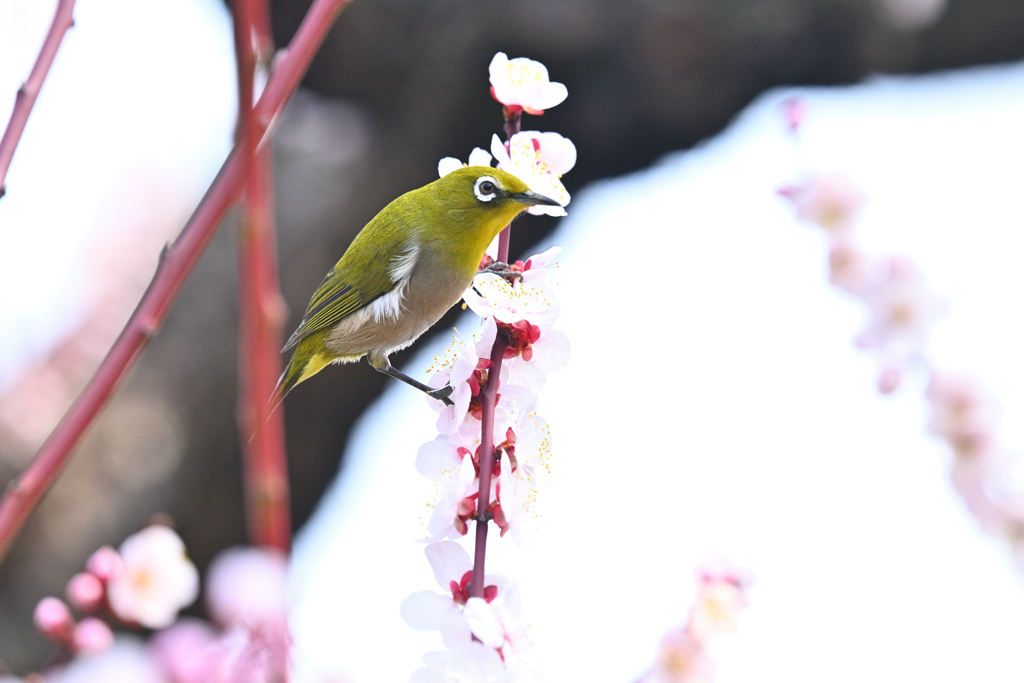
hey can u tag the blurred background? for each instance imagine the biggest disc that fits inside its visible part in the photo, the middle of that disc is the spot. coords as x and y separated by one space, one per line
137 116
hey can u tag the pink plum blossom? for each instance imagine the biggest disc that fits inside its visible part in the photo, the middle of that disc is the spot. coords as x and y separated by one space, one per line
53 619
903 311
539 160
86 592
157 580
246 587
830 200
523 84
794 110
849 268
189 652
91 636
962 413
716 609
682 659
105 564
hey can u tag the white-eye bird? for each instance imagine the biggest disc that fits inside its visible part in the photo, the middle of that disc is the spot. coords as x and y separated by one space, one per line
403 271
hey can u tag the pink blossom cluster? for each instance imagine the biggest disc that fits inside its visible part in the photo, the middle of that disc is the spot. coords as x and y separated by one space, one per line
721 596
902 313
902 309
144 584
508 362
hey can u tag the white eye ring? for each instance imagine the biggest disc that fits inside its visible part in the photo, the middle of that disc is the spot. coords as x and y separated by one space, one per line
486 196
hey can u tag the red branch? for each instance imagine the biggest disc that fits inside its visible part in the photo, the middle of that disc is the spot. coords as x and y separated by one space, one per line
488 399
261 309
176 263
512 122
29 91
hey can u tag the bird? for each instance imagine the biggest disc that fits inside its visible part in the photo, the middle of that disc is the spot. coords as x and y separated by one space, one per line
402 272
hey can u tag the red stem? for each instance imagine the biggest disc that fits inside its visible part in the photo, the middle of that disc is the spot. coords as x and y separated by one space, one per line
176 262
488 399
29 91
261 309
512 122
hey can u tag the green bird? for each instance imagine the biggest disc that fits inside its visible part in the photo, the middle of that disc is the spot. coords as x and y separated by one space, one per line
403 271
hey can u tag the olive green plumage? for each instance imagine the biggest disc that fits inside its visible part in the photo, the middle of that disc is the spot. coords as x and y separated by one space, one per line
403 270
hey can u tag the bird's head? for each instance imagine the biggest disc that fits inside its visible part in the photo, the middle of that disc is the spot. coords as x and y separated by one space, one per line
485 191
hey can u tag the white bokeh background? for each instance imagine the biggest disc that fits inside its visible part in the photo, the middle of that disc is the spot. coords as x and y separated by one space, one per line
715 404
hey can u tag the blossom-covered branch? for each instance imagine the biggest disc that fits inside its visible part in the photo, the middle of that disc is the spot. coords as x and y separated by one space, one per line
63 20
492 446
176 263
902 313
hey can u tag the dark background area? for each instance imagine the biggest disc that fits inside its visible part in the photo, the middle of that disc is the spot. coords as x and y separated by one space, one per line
398 85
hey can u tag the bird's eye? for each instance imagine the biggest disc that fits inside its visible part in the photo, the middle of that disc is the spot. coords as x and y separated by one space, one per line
485 188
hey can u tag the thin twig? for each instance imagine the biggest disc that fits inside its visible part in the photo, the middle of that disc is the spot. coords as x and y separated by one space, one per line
62 20
261 310
25 492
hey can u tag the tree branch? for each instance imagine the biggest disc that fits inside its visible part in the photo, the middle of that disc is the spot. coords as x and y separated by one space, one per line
261 309
177 261
27 94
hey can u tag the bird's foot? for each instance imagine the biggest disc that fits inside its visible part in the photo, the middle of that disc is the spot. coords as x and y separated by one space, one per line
442 394
502 270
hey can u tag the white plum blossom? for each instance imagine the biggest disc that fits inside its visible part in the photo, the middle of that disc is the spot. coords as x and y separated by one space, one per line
539 160
477 157
515 493
498 624
460 370
457 504
493 296
433 611
468 663
157 578
524 83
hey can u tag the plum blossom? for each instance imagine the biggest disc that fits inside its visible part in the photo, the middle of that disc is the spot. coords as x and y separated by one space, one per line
53 619
498 624
493 296
156 581
962 413
443 612
903 312
682 659
246 588
456 506
721 596
539 160
463 367
86 592
468 663
830 200
522 84
127 661
516 494
477 157
92 636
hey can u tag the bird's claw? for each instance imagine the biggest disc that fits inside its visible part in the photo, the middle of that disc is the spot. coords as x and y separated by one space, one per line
442 394
502 270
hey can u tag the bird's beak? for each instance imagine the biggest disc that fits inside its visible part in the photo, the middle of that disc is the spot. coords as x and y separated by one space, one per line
532 198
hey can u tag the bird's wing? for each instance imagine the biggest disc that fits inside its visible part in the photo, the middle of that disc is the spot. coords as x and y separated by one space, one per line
346 289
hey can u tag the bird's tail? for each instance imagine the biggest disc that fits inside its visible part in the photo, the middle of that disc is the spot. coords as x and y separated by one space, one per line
308 359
